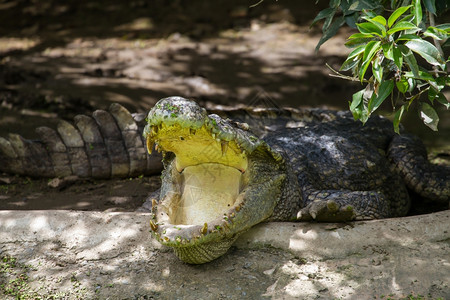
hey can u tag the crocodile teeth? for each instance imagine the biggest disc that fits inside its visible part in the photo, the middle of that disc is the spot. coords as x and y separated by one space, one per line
153 226
204 229
224 146
157 148
150 144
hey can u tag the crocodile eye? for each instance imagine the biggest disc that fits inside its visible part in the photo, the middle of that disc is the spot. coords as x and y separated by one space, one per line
181 138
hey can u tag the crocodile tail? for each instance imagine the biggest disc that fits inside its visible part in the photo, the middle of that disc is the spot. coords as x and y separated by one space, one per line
107 144
409 157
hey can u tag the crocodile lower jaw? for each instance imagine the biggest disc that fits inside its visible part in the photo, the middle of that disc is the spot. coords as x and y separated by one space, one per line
204 202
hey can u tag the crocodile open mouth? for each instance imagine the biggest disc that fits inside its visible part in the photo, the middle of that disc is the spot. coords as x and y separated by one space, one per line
207 174
215 175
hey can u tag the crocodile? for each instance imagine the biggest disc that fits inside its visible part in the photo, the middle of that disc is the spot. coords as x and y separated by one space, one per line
224 172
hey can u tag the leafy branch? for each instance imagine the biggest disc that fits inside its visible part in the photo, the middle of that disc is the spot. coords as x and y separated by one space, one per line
389 48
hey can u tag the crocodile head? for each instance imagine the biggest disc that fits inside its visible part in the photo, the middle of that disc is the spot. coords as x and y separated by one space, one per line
219 179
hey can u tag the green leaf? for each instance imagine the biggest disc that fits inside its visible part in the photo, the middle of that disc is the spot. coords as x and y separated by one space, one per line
331 31
397 118
423 75
443 100
396 14
360 5
357 99
388 50
358 39
432 93
407 18
377 69
358 42
352 59
411 84
428 115
370 13
403 25
432 82
430 5
369 52
398 57
335 3
410 59
360 35
384 90
327 22
408 37
436 33
363 40
357 51
446 80
323 14
379 22
445 27
417 12
445 45
428 51
370 28
357 106
351 19
402 85
441 82
349 64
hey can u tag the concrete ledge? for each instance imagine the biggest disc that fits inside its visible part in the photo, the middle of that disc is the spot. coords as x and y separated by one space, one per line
338 240
96 255
98 230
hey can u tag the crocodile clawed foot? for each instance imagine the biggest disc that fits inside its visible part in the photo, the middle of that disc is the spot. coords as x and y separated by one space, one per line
326 211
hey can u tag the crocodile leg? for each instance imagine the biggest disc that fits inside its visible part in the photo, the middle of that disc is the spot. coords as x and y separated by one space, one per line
387 199
108 144
409 156
342 206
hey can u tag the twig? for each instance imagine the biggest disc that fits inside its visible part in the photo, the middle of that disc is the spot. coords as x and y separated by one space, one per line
436 42
418 94
342 76
256 4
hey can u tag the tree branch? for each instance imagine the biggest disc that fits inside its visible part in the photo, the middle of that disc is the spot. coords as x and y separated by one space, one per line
342 76
436 42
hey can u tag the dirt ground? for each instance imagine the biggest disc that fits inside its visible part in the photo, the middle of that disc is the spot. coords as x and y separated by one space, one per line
60 59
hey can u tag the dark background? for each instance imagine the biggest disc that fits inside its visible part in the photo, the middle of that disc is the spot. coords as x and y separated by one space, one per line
62 58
